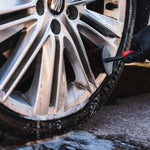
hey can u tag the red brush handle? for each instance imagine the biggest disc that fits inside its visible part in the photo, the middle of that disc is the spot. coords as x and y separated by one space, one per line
127 52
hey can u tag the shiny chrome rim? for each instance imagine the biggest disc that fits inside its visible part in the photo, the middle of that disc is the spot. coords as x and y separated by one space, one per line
49 31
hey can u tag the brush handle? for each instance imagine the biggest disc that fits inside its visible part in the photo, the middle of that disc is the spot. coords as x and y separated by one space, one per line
118 58
113 59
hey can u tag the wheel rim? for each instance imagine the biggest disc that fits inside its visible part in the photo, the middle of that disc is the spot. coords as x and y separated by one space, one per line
52 43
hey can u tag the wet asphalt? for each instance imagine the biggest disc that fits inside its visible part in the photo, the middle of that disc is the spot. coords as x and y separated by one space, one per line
123 124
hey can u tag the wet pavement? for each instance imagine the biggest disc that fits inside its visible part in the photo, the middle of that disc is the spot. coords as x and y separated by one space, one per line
76 140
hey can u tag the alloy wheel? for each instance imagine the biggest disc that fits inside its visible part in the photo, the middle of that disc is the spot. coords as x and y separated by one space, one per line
53 63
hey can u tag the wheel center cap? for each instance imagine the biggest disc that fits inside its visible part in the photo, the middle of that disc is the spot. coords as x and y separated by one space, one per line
56 6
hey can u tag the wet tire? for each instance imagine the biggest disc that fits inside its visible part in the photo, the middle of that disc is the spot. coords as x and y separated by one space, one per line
18 125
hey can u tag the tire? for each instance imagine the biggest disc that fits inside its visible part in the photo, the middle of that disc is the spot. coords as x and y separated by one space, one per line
23 111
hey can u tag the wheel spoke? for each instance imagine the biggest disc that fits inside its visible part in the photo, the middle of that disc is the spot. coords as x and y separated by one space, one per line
7 33
15 5
39 93
61 103
80 49
20 61
106 25
59 89
17 21
18 54
96 37
79 2
80 75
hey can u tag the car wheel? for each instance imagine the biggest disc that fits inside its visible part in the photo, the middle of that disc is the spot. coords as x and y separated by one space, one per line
52 77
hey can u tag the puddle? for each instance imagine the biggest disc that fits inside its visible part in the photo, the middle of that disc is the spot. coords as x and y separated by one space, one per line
78 140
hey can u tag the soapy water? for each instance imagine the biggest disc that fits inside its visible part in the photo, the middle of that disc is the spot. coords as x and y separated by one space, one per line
77 140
